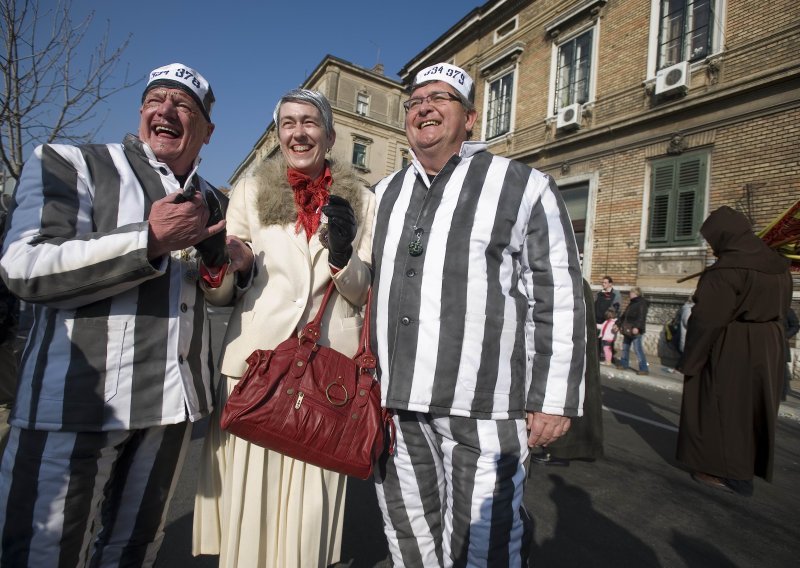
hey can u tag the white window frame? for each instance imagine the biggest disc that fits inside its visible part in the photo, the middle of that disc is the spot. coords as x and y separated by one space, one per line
361 141
504 72
593 179
719 11
552 106
362 99
405 154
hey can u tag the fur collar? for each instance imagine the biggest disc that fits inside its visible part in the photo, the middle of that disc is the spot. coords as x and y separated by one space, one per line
275 200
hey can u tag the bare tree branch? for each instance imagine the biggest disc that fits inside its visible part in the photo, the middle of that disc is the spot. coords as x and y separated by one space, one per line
50 91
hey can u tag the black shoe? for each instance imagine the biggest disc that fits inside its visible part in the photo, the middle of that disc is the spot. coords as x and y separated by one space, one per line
711 481
743 487
738 486
546 458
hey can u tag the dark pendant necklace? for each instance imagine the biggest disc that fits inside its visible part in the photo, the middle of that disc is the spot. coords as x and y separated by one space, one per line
415 247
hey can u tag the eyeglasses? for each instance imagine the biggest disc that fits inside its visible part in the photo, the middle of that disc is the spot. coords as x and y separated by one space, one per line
435 98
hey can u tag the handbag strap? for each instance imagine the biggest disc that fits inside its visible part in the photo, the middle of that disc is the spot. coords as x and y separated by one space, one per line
364 356
312 330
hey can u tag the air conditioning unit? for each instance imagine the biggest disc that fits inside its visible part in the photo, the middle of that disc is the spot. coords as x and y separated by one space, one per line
569 117
673 80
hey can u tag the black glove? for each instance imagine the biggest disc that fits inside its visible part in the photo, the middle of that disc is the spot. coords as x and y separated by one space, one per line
213 251
341 230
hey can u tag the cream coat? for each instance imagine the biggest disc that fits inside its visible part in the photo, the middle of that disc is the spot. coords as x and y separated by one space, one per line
291 273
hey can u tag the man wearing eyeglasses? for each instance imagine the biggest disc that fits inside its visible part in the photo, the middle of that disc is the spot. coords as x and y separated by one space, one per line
479 320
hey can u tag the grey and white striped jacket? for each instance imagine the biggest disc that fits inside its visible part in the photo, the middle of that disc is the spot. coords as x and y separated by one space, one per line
489 320
118 342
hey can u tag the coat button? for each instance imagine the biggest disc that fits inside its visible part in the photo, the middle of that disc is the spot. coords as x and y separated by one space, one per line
180 359
411 273
405 320
184 307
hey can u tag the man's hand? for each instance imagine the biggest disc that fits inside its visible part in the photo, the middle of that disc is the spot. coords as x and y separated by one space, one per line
545 428
175 226
240 254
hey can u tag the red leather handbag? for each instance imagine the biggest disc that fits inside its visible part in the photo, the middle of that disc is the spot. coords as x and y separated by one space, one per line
312 403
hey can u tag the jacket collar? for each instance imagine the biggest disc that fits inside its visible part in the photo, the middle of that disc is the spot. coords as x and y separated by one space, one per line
275 200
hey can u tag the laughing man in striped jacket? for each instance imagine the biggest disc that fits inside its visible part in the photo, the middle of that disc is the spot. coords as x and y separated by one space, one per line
118 361
479 321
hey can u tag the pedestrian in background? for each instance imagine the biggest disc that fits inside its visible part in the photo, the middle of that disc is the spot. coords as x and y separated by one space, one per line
608 335
9 321
480 332
102 239
791 329
632 324
734 358
608 298
686 313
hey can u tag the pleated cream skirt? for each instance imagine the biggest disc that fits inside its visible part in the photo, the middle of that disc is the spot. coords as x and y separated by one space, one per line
260 509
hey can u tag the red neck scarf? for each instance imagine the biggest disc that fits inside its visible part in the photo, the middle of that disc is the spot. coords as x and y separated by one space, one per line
309 197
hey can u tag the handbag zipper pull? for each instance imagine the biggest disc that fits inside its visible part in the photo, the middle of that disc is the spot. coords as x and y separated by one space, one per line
297 404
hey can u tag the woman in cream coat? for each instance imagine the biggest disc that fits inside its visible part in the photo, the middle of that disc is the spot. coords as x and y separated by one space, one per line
254 507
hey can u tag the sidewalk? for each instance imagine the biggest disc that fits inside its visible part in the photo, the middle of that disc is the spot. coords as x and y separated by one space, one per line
661 378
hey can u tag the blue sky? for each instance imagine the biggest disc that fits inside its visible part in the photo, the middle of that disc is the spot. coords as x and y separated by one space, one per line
253 52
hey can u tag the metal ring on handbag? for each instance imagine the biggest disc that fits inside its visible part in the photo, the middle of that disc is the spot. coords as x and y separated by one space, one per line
336 402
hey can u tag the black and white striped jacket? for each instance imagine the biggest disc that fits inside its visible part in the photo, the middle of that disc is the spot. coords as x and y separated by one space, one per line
118 342
489 320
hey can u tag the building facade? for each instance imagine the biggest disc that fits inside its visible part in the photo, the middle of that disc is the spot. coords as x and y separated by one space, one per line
368 116
648 113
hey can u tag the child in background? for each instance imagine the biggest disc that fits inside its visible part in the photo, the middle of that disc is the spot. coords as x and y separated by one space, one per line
607 335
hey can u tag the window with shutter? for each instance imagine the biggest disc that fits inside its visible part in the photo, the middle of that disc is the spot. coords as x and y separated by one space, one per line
676 200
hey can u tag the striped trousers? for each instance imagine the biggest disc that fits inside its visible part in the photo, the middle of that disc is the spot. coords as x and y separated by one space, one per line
451 495
72 499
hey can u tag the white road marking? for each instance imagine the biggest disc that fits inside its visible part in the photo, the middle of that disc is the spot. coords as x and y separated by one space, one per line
669 427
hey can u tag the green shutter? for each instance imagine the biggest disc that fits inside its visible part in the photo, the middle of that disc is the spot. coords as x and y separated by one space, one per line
689 191
676 206
663 182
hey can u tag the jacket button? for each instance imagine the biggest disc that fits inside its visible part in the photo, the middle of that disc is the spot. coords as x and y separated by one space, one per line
411 273
405 320
180 359
184 307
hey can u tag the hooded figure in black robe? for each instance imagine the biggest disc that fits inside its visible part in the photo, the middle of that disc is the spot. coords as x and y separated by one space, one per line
734 357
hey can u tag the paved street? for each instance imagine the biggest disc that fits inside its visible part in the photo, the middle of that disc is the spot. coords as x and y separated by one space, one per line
635 507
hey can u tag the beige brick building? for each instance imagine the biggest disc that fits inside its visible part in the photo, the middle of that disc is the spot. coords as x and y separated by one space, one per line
649 115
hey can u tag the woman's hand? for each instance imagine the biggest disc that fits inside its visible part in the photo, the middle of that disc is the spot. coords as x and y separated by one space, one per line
341 230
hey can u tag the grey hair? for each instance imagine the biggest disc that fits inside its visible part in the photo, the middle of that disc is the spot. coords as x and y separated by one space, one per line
314 98
467 103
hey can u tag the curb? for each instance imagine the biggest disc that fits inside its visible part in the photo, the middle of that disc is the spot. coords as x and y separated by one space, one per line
789 409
